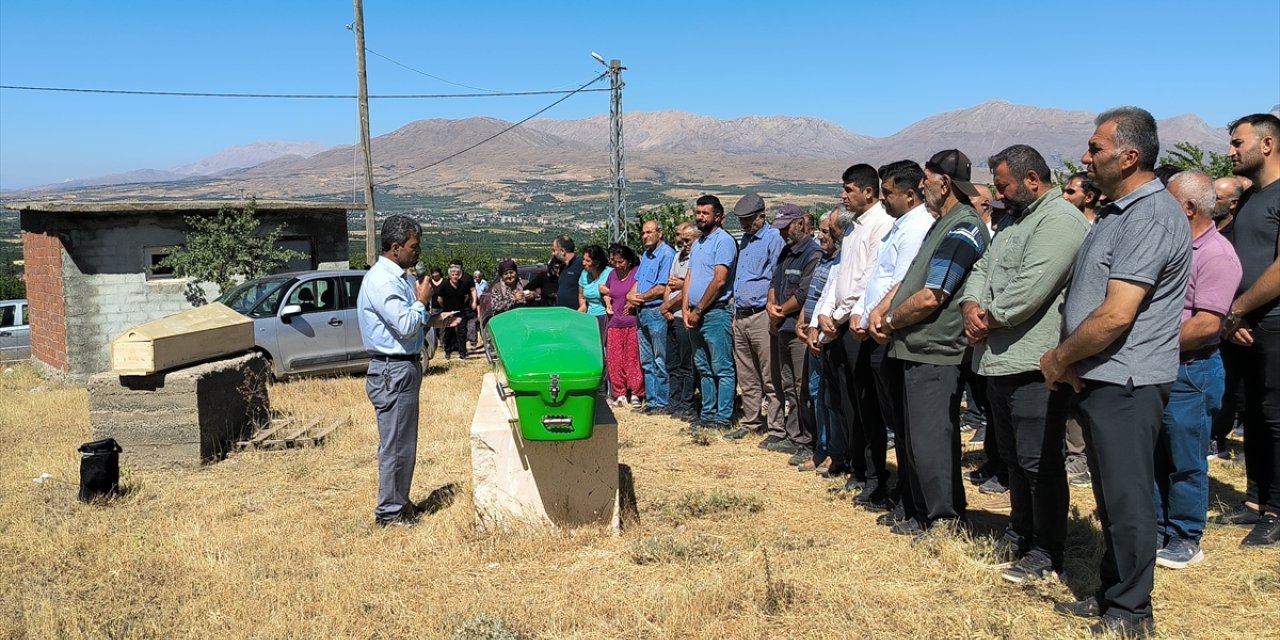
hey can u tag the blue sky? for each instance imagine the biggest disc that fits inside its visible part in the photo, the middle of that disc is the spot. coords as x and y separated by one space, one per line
872 68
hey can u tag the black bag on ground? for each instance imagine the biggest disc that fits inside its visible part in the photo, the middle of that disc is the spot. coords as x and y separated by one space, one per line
99 468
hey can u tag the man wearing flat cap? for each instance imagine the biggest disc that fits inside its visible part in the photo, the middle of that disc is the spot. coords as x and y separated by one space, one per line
758 252
922 321
790 359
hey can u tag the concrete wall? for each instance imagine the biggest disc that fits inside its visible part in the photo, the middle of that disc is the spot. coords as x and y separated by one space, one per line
103 275
184 417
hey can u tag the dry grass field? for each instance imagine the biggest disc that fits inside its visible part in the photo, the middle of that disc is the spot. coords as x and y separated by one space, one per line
732 543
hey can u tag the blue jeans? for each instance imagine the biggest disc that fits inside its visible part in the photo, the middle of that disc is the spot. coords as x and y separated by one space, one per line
713 358
1182 472
653 356
821 440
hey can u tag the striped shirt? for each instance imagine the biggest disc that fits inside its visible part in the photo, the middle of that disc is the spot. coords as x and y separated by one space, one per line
819 282
955 256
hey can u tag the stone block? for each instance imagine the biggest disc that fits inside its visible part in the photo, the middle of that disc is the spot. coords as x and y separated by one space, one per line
182 417
518 482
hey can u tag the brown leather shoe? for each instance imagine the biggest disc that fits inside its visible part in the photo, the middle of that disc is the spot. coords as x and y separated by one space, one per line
809 465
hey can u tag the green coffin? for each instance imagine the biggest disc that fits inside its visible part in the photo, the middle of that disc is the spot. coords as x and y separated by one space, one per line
549 367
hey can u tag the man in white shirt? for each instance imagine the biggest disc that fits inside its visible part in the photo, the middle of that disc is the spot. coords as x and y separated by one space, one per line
901 196
861 434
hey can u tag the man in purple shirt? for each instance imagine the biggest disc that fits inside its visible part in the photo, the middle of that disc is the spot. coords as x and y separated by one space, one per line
1182 471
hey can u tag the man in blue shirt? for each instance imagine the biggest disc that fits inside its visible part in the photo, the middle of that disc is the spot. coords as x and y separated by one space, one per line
758 253
705 314
392 313
646 297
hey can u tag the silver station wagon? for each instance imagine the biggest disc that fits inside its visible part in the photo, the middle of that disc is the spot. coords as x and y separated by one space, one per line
305 321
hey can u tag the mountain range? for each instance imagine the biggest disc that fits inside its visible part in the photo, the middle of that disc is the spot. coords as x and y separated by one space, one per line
672 149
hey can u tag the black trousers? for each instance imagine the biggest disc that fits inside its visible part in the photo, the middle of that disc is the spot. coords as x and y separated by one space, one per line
681 374
1234 357
835 369
888 377
975 386
1029 423
931 424
1121 424
869 437
1262 415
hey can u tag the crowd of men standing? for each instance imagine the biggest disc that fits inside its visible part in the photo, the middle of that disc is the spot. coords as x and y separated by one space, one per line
1121 310
1107 303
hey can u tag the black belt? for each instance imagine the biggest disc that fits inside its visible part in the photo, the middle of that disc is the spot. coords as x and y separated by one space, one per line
397 357
747 312
718 305
1195 355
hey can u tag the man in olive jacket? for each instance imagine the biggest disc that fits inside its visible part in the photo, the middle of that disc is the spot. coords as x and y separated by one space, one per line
1012 307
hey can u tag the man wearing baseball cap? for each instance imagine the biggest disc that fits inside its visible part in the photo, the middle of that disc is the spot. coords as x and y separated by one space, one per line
758 252
789 288
922 319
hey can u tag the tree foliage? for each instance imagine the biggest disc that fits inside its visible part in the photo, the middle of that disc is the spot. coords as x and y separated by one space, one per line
1189 157
227 246
669 215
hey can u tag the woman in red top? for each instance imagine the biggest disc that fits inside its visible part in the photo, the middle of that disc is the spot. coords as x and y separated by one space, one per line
623 343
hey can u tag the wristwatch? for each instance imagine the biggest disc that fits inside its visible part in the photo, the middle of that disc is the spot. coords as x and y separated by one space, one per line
1232 318
888 321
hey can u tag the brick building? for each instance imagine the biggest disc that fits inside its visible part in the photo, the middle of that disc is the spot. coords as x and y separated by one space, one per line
91 267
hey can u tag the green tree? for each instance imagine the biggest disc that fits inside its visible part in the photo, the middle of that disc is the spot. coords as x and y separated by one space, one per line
12 288
1189 157
227 246
669 215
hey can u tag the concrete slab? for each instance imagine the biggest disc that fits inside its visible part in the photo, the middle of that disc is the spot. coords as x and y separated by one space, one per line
518 482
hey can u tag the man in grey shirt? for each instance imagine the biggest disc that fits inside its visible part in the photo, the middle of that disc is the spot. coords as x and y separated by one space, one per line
1121 323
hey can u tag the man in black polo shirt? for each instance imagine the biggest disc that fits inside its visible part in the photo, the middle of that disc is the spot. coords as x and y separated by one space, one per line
787 293
1119 352
1254 320
562 248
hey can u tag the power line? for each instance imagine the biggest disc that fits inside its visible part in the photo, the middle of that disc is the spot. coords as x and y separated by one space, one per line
434 77
302 96
513 126
424 73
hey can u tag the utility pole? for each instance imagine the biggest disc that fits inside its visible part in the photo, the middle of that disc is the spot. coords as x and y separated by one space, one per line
617 175
370 240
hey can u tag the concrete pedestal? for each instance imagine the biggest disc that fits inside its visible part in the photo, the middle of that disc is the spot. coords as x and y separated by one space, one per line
183 417
518 482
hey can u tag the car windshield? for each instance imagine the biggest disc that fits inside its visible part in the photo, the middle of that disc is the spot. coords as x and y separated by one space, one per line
249 298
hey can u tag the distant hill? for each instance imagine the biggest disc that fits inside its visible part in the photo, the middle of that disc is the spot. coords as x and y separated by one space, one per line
672 148
226 161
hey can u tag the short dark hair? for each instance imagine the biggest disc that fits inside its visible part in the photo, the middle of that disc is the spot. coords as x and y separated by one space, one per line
1166 171
455 262
903 173
862 176
564 242
716 207
1022 160
1135 129
398 229
1267 121
627 253
596 252
1087 184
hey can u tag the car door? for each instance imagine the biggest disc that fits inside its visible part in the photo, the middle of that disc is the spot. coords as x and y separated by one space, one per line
350 285
316 338
15 332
